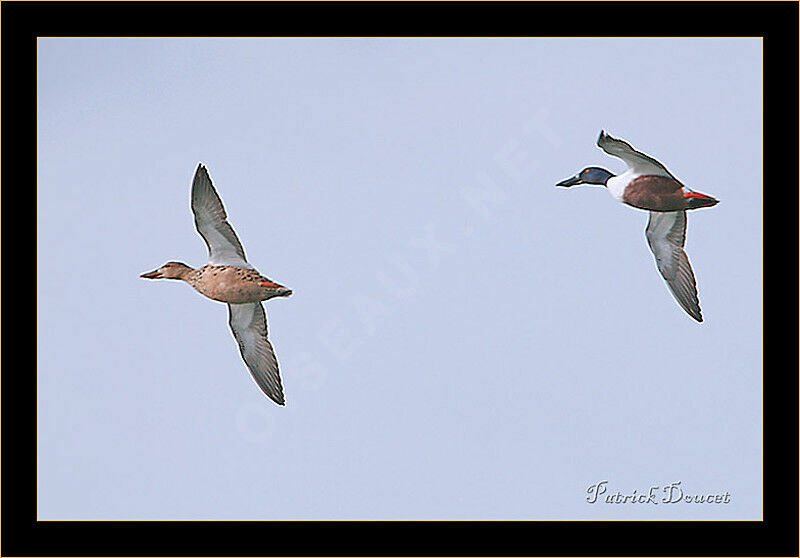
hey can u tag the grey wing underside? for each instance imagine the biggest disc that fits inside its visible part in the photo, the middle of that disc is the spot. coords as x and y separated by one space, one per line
249 325
636 160
211 221
666 235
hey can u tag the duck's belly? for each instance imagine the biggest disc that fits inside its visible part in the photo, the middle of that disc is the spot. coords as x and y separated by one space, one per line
648 191
231 284
655 193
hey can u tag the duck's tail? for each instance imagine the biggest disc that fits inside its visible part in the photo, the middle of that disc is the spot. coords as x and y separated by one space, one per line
696 200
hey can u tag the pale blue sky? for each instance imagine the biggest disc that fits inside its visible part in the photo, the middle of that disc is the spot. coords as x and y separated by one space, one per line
465 340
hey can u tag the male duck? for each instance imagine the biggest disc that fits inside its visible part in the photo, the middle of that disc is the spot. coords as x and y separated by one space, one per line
647 184
229 278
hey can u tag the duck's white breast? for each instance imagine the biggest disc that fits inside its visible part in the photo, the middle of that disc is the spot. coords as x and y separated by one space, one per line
616 184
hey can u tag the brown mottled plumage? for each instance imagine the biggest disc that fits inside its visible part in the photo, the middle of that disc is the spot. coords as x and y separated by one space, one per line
233 284
223 283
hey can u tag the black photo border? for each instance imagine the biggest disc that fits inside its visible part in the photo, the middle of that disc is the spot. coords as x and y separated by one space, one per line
776 535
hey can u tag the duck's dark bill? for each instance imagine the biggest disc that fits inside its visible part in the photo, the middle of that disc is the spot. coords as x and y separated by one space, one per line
152 275
570 182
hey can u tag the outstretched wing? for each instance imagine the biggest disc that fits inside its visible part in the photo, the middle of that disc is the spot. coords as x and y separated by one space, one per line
249 325
666 235
211 221
636 160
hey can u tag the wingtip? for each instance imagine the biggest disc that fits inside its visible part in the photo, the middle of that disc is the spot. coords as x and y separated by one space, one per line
694 312
277 398
201 172
601 136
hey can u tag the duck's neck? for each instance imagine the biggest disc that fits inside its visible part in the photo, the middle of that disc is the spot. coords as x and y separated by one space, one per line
182 272
602 176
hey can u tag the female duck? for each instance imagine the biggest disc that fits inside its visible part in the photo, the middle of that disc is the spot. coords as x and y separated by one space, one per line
229 278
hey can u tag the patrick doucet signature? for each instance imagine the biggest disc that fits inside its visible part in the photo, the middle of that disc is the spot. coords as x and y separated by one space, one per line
672 493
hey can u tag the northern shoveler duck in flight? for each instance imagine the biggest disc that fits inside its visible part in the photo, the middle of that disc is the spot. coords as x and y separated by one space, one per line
648 185
228 277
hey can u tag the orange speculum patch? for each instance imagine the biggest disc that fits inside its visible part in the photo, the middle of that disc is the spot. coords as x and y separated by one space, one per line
696 195
269 284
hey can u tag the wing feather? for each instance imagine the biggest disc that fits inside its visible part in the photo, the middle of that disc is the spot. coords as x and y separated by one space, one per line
249 325
666 235
211 221
638 162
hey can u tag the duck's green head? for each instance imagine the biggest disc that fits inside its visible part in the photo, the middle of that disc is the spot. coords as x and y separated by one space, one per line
589 175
